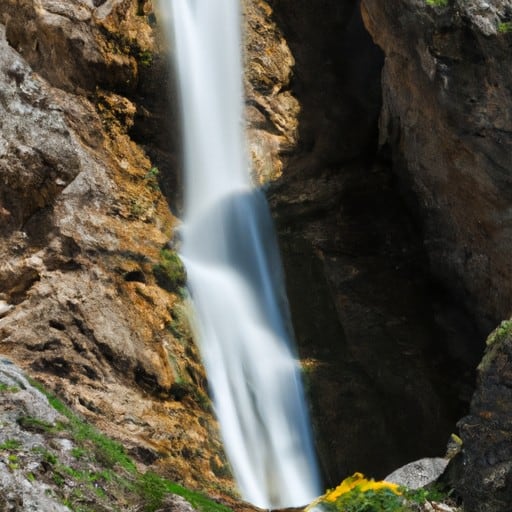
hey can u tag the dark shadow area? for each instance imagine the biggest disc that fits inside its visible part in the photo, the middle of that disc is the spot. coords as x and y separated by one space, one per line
389 353
157 125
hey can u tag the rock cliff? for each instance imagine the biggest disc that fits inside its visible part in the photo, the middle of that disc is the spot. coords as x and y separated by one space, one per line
380 337
446 122
84 228
386 164
446 125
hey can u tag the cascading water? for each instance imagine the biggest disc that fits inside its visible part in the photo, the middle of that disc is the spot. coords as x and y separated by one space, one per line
233 266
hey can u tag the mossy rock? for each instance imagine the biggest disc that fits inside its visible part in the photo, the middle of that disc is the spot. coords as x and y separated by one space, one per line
170 272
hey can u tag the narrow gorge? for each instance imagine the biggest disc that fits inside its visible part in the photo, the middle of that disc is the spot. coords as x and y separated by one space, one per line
381 134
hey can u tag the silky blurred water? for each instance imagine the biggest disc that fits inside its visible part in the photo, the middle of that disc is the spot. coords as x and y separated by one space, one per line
233 266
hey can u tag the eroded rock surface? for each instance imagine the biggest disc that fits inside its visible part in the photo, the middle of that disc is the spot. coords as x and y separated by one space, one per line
446 125
272 110
80 45
376 333
446 120
482 472
18 400
83 226
83 221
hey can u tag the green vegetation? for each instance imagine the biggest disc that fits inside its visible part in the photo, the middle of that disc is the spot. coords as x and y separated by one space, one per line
151 178
37 425
105 450
145 58
10 444
12 462
505 27
500 333
154 488
382 500
369 501
358 494
437 3
5 388
169 272
100 472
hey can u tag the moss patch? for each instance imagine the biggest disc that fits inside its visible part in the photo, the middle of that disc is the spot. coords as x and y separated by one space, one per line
169 272
437 3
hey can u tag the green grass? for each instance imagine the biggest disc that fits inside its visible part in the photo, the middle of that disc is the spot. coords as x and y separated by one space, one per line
10 444
107 451
154 488
101 464
5 388
37 425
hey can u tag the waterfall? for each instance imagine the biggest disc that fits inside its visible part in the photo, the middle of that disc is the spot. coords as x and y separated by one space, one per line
234 270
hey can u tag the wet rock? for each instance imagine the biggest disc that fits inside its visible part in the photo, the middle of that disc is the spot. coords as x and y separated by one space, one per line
376 333
272 110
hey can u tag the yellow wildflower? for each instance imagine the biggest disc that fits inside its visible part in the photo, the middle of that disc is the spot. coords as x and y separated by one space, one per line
357 480
363 484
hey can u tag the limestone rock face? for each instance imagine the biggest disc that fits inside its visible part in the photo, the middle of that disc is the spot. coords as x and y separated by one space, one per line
83 223
19 399
80 45
272 110
446 120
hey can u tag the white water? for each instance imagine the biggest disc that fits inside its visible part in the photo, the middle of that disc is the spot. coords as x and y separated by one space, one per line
234 271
